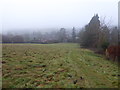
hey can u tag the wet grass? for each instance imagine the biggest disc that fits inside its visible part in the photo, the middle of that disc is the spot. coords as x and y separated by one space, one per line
56 66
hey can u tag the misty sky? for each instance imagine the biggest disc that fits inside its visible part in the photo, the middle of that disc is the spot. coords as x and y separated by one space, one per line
38 14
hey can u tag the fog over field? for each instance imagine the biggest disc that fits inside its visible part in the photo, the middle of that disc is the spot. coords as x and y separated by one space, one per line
49 15
59 44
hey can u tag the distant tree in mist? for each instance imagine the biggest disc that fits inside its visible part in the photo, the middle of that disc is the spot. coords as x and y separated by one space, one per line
6 39
17 39
114 36
104 38
62 35
73 35
12 39
26 37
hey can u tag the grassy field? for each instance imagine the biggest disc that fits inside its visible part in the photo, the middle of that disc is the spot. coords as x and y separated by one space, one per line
56 66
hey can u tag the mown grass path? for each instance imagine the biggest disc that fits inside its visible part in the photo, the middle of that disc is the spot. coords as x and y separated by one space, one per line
56 66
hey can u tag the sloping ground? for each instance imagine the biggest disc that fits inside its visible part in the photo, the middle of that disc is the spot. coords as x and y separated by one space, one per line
56 66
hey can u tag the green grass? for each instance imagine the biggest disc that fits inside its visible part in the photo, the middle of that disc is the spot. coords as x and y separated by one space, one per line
56 66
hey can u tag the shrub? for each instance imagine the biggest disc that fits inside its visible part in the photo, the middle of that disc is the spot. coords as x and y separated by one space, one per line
105 45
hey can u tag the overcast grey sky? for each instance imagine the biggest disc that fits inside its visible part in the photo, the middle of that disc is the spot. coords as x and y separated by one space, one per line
37 14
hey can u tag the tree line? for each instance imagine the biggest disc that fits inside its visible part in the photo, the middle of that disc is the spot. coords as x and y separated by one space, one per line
96 34
61 36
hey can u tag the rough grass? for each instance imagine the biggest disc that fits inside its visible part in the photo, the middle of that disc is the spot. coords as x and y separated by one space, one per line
56 66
